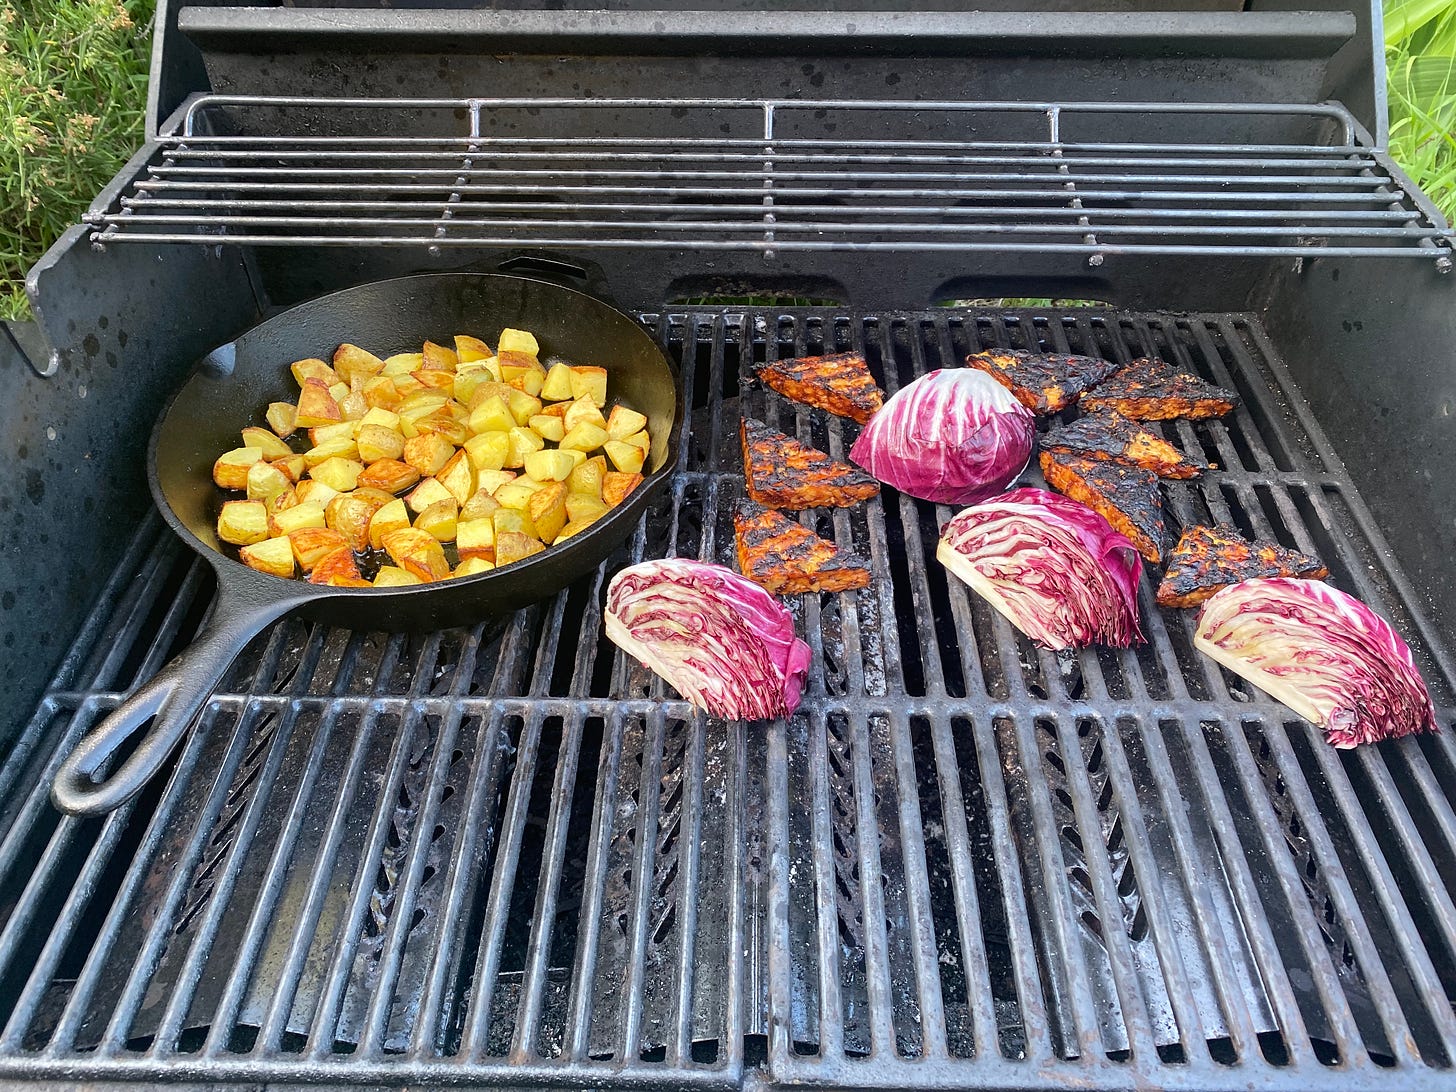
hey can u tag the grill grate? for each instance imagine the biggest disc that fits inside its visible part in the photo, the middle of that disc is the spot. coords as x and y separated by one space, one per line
775 176
504 855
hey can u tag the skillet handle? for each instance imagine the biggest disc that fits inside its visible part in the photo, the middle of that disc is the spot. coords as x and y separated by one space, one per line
174 697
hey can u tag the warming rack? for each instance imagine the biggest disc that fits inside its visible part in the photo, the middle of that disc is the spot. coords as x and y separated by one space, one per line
774 176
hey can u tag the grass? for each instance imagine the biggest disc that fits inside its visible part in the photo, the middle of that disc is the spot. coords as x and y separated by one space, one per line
73 85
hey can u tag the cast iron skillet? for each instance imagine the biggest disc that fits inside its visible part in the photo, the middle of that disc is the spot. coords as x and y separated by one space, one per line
230 387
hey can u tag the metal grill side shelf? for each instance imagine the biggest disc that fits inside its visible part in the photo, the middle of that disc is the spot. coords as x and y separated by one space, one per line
776 177
505 856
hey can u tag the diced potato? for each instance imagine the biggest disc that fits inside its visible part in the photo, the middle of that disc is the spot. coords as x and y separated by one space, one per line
628 458
515 495
392 576
353 405
282 502
469 348
458 476
271 446
517 341
380 416
616 486
525 481
513 546
473 565
341 430
442 423
403 363
427 452
282 417
313 491
488 450
286 520
550 465
393 516
547 510
521 442
491 415
353 364
436 379
382 393
587 478
492 389
304 370
641 439
418 552
575 527
481 505
292 466
585 437
547 426
511 520
337 568
406 384
243 522
379 442
231 469
523 406
438 356
557 385
316 406
350 515
427 493
476 538
584 410
310 544
339 474
579 506
623 422
390 475
266 482
440 519
488 481
589 382
273 556
556 409
468 378
338 392
522 372
342 448
418 403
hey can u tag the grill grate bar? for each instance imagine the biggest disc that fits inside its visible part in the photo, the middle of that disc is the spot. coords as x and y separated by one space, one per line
848 175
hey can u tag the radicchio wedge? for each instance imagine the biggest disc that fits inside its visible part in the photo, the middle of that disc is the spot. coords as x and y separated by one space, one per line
1323 653
1055 568
723 642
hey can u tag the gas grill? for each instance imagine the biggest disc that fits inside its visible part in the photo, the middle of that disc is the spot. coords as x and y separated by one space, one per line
509 855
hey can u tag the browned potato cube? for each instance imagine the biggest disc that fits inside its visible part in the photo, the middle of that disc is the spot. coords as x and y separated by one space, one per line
350 514
312 543
547 426
293 466
428 452
390 475
473 565
494 389
392 576
481 505
587 478
628 458
377 442
458 476
338 474
437 356
381 393
587 382
403 363
272 447
491 480
641 439
285 521
266 482
323 434
418 552
469 348
624 422
436 379
243 522
316 406
475 538
393 516
584 437
616 486
273 556
354 365
513 546
584 410
508 519
313 491
547 509
282 417
304 370
337 568
353 405
440 519
443 424
231 469
427 493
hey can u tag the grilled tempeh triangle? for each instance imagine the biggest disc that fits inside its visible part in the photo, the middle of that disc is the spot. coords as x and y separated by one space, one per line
839 383
1209 558
1127 497
783 473
787 558
1043 382
1153 390
1113 438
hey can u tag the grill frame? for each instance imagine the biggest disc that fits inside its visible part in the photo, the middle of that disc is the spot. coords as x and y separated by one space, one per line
764 768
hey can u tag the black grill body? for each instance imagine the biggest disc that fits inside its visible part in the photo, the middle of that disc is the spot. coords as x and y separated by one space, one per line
508 856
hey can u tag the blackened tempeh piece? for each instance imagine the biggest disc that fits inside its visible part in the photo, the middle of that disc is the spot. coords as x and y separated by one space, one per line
1209 558
1044 383
1112 437
839 383
1127 497
787 558
1153 390
783 473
